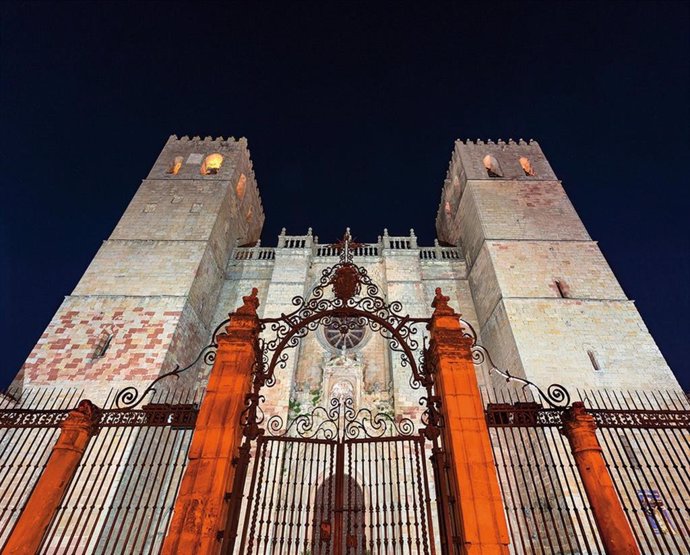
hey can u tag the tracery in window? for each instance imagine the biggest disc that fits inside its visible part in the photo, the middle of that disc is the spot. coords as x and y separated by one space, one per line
344 333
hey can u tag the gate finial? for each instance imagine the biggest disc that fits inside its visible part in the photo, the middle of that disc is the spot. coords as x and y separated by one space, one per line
250 303
440 305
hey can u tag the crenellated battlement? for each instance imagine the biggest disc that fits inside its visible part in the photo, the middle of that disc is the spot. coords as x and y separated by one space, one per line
500 142
221 141
488 161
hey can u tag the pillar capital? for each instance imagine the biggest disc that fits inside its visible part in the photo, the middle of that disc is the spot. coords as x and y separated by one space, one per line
580 428
84 418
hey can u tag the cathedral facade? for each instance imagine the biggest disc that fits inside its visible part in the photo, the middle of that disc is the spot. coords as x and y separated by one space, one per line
511 252
453 410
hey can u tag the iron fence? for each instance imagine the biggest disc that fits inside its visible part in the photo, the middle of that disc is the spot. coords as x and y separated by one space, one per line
645 439
122 495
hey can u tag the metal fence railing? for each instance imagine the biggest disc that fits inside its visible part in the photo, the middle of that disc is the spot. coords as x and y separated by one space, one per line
122 495
645 439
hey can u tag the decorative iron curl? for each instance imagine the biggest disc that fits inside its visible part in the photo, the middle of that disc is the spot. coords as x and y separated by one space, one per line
340 421
365 424
432 417
556 395
320 423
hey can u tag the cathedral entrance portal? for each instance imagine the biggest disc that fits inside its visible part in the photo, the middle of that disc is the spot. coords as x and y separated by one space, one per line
343 479
338 481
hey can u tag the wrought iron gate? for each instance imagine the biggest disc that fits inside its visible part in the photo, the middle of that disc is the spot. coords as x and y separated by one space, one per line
338 481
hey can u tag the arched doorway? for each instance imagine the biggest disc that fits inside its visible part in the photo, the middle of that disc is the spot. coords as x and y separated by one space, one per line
354 541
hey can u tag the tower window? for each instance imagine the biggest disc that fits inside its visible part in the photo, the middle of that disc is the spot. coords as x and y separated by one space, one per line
562 289
526 166
176 165
593 360
104 341
492 167
241 186
212 164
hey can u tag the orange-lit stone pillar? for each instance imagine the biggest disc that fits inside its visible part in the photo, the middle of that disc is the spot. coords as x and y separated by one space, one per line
201 507
466 435
39 511
614 529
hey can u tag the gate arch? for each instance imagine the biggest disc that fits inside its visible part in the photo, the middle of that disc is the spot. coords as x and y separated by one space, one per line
360 438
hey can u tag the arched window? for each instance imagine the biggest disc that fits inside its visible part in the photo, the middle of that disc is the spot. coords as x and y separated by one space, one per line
526 165
492 167
212 164
241 186
176 165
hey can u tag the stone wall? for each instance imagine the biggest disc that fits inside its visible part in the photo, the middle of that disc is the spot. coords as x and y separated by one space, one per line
151 292
548 305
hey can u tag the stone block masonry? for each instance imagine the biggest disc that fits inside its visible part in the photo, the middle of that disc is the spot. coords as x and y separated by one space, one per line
521 268
148 300
548 304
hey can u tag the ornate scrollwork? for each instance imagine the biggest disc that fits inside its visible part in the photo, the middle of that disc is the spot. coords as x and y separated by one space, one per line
556 395
357 302
339 421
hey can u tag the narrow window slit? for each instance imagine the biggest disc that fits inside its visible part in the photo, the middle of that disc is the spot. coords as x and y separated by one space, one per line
593 360
103 343
562 289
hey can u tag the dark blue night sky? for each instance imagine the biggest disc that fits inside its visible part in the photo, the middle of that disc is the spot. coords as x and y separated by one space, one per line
351 112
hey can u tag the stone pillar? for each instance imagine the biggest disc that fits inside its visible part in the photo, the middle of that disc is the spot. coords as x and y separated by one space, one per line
466 435
39 511
613 526
201 506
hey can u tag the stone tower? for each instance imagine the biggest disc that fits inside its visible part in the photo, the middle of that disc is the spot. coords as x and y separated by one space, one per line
147 300
548 305
517 262
511 255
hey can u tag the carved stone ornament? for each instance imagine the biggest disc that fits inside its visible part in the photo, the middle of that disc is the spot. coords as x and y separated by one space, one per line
250 303
440 305
577 416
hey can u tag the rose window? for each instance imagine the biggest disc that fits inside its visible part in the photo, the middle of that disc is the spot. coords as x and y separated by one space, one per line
344 333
